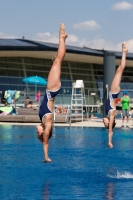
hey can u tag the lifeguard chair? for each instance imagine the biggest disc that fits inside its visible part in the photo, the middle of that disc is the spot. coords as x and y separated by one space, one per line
78 101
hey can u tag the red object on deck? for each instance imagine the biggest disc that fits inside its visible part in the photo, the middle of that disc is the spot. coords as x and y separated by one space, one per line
118 100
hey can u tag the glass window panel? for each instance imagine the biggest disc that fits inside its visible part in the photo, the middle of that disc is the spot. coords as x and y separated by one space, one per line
66 90
27 60
40 68
82 65
17 87
97 67
64 64
32 88
18 80
27 66
85 77
75 77
88 66
2 64
35 67
30 73
66 83
48 62
81 71
98 73
63 76
4 79
36 73
74 70
15 73
66 70
84 71
47 68
13 80
4 87
37 61
2 59
12 60
3 72
14 66
87 84
73 65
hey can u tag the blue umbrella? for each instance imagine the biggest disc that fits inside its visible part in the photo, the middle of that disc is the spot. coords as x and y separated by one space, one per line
36 80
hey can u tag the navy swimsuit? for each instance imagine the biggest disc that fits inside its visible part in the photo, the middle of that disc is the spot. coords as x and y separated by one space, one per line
111 97
44 109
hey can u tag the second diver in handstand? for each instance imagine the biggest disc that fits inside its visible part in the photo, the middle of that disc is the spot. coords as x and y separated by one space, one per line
110 107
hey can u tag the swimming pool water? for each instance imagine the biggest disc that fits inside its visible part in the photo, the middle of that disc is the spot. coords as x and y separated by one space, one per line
82 167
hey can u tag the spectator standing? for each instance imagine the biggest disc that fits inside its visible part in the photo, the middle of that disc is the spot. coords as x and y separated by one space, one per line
125 108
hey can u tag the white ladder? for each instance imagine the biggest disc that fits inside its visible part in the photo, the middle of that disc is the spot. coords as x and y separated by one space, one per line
77 102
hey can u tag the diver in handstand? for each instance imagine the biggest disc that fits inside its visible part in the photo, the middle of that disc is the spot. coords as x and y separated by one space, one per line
110 107
44 131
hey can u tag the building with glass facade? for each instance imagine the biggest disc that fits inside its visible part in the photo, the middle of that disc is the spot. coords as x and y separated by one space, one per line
21 58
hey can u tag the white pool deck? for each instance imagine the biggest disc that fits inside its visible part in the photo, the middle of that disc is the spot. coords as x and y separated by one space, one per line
91 123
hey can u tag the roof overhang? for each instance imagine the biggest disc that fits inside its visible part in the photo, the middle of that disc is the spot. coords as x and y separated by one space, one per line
51 54
34 49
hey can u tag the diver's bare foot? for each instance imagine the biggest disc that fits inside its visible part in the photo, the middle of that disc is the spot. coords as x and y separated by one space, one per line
62 33
47 160
124 48
110 145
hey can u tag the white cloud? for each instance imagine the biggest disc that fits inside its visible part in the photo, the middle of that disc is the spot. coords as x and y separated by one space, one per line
129 44
3 35
47 37
122 6
100 43
54 38
73 40
87 25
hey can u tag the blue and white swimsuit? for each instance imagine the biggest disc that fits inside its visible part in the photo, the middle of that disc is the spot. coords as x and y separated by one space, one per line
108 106
44 109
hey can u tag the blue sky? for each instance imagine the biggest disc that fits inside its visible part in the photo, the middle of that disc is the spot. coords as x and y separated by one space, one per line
96 24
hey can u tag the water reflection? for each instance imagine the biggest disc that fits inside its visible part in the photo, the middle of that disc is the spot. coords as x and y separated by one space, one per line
46 191
5 132
110 191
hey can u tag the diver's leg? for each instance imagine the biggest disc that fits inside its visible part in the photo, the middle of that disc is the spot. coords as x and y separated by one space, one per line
55 72
127 125
123 119
115 86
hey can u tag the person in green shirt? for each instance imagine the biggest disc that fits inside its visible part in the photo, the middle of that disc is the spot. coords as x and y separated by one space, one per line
125 108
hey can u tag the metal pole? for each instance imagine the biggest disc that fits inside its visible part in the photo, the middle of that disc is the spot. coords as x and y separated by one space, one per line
15 101
88 103
107 88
